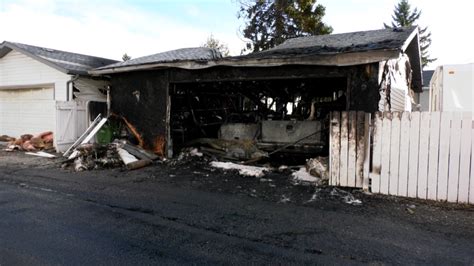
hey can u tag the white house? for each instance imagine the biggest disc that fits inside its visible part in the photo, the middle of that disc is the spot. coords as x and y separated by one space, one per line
43 89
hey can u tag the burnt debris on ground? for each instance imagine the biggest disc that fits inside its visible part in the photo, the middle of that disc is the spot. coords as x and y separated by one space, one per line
116 154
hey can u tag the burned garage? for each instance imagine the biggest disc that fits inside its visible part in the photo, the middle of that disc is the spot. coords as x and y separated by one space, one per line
275 101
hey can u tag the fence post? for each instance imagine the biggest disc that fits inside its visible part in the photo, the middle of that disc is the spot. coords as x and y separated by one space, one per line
413 154
423 155
334 148
433 155
344 149
454 156
377 153
404 154
465 159
386 145
394 154
367 139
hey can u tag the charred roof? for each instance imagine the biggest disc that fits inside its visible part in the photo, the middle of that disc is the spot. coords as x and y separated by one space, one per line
345 49
361 41
197 54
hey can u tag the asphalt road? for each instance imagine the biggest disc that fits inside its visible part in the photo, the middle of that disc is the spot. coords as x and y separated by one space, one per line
50 216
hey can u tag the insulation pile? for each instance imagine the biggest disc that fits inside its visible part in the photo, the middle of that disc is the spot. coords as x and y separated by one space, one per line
30 143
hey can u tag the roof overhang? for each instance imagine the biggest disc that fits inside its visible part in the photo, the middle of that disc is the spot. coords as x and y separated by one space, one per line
411 48
7 47
341 59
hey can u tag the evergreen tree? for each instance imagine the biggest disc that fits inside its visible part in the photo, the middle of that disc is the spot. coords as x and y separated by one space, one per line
126 57
403 16
214 43
269 23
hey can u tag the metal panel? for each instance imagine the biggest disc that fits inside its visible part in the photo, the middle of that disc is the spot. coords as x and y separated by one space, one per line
291 131
238 131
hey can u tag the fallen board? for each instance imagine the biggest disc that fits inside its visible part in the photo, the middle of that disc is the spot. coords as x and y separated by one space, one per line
82 137
139 152
41 154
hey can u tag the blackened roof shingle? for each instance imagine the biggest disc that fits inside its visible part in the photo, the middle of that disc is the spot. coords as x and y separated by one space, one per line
184 54
384 39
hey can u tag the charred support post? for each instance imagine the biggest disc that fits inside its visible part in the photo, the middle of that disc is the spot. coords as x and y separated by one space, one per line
364 92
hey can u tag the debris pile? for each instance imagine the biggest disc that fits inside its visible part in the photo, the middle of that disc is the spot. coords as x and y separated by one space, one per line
245 170
318 167
116 154
95 156
315 171
85 156
29 142
188 156
303 176
346 196
229 149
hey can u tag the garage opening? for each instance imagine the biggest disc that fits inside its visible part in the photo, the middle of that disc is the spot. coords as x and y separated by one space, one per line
287 116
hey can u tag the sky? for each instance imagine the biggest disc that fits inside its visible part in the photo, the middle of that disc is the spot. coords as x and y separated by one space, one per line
110 28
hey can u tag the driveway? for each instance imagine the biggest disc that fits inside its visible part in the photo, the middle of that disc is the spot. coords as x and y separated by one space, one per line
188 213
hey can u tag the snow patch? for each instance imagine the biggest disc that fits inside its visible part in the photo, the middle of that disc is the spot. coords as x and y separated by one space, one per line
303 175
245 170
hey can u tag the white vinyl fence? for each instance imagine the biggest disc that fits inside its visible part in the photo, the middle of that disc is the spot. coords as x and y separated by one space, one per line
413 154
71 122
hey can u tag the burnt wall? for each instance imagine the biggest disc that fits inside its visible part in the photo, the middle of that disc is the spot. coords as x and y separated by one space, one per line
141 99
255 73
364 94
363 88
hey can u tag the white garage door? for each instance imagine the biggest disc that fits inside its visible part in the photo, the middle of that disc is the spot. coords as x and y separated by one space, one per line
25 111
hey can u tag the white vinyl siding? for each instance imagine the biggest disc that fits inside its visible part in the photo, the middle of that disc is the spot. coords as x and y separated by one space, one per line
395 83
17 69
27 111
